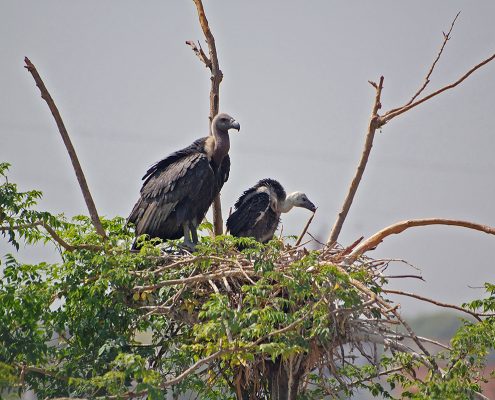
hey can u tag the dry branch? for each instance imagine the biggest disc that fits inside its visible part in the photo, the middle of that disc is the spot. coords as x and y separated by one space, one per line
378 121
446 38
216 78
368 144
305 229
70 148
401 226
394 113
438 303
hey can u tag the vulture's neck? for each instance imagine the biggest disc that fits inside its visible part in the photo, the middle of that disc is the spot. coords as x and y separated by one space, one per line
287 204
222 145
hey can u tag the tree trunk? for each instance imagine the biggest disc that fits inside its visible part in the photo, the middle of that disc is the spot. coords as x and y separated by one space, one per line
281 381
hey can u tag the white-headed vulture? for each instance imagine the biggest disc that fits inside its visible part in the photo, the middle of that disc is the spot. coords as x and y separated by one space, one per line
178 190
257 211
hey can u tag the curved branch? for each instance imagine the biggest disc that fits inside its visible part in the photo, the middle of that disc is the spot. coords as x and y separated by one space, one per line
70 148
216 78
401 226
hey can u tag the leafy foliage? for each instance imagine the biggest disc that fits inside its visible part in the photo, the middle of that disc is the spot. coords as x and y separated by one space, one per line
108 322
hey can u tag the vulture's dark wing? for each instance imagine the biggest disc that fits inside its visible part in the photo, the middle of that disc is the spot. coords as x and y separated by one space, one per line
168 183
223 172
197 146
244 196
250 209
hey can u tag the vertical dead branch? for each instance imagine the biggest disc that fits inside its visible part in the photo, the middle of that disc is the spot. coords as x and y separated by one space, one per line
368 144
70 148
216 78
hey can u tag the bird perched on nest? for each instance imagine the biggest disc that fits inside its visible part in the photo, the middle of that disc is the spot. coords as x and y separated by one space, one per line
257 211
178 190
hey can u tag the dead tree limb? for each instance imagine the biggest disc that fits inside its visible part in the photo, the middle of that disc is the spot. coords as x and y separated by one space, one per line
368 144
394 113
446 38
377 121
438 303
401 226
216 78
299 240
45 95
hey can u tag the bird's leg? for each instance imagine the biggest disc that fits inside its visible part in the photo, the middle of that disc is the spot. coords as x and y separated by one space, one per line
194 233
187 237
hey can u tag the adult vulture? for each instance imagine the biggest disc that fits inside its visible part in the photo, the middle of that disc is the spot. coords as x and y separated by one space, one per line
257 211
178 190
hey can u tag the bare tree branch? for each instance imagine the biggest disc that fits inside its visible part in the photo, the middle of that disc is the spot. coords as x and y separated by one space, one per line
446 37
216 78
368 144
438 303
394 113
378 121
299 240
70 148
401 226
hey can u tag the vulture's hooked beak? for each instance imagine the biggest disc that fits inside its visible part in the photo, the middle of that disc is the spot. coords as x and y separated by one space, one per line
310 206
235 125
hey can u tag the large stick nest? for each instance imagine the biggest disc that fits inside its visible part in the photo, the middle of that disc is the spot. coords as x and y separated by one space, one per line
295 310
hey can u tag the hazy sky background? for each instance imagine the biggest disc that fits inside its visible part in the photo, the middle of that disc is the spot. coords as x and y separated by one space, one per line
295 77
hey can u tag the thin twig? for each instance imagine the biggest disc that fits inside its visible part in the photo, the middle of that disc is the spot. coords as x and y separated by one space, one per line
402 276
401 226
446 37
70 148
305 229
396 112
216 78
368 144
438 303
54 235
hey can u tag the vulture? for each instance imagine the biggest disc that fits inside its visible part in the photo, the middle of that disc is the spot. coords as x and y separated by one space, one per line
257 211
178 190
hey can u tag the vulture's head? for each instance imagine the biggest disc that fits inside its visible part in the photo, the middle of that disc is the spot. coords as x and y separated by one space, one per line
223 122
299 199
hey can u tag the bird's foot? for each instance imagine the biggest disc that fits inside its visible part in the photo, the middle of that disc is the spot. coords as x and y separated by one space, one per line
188 245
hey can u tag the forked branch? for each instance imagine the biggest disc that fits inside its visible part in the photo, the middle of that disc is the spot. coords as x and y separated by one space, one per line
446 38
368 144
216 78
70 148
377 121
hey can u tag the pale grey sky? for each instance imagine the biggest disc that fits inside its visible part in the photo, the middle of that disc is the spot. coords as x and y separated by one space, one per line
130 92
